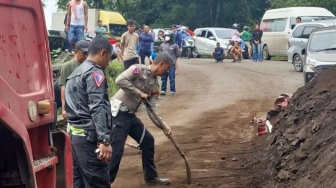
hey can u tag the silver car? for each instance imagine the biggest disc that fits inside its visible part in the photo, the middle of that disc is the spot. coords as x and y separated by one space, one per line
206 38
299 38
320 53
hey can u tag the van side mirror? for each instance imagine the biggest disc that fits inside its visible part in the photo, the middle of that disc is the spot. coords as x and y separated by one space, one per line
293 26
303 52
212 38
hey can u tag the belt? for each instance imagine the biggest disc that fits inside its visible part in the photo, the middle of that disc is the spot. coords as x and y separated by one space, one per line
75 131
124 108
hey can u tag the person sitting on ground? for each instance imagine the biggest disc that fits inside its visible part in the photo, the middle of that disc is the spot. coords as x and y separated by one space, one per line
218 53
153 55
236 36
236 51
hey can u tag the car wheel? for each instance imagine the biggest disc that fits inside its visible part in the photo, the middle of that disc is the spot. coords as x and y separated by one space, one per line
297 62
266 53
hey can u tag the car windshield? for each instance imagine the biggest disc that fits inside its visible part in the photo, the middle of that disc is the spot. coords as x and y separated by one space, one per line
117 30
224 34
322 41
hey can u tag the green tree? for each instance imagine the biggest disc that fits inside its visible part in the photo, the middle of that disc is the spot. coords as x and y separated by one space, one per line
193 13
94 4
328 4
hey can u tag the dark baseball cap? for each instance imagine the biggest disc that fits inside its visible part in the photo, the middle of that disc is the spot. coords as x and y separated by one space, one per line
82 45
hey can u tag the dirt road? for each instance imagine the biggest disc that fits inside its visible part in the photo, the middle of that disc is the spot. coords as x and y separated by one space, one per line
210 117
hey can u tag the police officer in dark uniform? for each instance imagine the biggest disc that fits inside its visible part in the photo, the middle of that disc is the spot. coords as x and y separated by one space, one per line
89 117
137 83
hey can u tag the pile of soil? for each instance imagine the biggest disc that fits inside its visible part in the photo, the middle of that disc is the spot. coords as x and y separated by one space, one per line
301 152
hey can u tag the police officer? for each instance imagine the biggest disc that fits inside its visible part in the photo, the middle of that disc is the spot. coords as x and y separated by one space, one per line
137 83
89 117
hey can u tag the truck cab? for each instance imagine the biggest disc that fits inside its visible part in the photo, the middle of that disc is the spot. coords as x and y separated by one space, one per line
32 152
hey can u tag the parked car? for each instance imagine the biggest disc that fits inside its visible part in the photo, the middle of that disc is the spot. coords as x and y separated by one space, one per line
277 25
206 39
299 38
320 53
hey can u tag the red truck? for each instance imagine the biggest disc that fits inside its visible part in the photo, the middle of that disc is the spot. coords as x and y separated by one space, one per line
32 153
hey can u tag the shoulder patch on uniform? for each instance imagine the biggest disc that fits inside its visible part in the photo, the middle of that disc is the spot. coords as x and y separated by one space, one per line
98 78
136 71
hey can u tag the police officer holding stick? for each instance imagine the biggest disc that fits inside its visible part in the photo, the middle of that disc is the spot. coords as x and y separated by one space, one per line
89 117
137 83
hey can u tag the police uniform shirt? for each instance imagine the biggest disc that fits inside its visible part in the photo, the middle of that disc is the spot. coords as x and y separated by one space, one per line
132 82
87 102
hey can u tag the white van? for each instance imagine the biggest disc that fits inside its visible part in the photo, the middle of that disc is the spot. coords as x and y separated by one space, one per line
277 25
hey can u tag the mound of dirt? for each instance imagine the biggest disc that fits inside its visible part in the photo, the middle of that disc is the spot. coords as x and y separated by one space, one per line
301 152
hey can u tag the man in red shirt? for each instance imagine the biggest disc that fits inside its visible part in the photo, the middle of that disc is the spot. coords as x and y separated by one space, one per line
190 31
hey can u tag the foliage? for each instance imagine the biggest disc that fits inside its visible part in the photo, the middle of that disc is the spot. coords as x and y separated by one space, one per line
328 4
54 54
55 46
94 4
114 69
198 13
194 13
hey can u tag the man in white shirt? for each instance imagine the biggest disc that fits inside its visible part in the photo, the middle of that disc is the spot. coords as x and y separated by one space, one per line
77 20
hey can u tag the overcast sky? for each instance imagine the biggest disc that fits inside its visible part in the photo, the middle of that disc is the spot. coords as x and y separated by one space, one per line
48 10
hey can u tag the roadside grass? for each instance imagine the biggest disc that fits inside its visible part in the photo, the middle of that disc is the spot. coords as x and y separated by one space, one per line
114 69
279 58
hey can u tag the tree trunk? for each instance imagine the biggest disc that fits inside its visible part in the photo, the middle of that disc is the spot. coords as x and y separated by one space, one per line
218 8
210 2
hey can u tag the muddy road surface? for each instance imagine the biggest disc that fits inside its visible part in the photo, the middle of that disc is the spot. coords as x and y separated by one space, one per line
210 117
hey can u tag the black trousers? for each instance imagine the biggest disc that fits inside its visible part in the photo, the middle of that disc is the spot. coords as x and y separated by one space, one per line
130 62
143 55
128 124
88 170
57 91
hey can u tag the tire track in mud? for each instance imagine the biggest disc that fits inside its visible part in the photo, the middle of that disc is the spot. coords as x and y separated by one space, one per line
217 161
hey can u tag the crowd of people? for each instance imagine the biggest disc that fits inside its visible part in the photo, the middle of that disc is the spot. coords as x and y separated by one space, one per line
252 40
240 40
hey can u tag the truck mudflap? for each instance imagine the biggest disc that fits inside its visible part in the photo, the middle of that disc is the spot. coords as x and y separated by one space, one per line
62 149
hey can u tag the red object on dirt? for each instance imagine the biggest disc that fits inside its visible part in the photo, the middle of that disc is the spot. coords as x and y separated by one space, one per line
32 153
262 128
282 100
263 125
